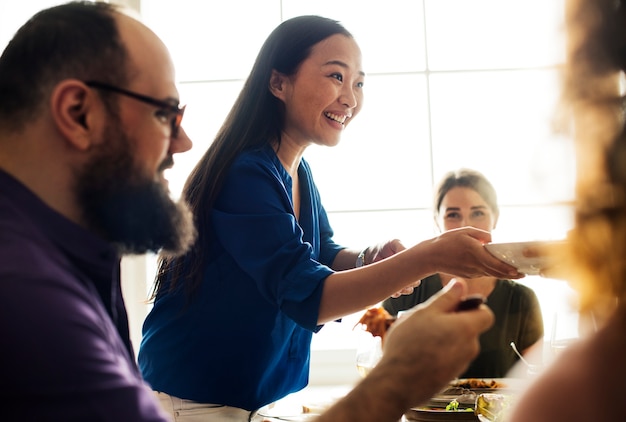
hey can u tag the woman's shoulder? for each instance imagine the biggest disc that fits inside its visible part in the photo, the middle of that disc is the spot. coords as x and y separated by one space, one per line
256 162
263 155
515 294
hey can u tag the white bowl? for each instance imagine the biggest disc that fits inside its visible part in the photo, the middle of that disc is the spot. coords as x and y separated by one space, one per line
512 253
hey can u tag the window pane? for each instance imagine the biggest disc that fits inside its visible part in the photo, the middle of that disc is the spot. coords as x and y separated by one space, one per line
383 159
483 34
501 124
212 40
362 229
390 33
207 106
522 223
14 14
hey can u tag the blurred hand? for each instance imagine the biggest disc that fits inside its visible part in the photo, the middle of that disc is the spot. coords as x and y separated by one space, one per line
423 352
432 345
553 252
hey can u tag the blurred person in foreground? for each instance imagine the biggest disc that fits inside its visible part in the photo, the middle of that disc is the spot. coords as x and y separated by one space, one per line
89 121
585 383
466 197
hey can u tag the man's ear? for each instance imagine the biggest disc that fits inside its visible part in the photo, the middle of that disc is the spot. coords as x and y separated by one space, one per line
71 103
278 83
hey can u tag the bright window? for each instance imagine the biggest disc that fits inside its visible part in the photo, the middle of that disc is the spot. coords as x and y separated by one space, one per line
449 83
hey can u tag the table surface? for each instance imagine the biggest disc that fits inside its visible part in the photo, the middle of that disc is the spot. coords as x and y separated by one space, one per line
316 398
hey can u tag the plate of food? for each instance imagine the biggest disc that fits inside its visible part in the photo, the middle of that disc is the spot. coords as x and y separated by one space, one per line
466 390
482 385
458 400
439 414
513 253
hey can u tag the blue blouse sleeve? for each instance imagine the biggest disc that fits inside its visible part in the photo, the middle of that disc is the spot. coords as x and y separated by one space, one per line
254 221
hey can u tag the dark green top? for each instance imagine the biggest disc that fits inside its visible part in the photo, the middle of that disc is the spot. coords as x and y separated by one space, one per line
518 319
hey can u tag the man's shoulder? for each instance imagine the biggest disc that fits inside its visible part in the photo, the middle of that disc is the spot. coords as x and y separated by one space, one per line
23 245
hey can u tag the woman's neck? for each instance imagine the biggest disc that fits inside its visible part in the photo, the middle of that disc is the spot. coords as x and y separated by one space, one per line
481 285
289 155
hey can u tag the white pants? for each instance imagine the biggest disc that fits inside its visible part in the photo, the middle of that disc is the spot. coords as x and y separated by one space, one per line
182 410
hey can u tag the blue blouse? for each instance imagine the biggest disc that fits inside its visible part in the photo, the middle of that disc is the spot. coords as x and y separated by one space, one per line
244 339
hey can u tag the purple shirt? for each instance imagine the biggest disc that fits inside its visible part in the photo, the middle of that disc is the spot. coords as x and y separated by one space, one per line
65 353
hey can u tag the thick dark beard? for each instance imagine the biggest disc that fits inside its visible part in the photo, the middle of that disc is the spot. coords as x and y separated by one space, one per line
133 212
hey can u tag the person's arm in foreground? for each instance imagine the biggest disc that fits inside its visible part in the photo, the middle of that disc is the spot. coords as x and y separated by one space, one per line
422 353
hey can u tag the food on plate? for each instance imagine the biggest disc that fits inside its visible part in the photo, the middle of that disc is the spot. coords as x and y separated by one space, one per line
453 406
473 383
492 407
376 321
317 409
429 414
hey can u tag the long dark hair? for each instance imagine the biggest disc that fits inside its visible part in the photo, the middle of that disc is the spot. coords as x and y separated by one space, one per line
74 40
255 119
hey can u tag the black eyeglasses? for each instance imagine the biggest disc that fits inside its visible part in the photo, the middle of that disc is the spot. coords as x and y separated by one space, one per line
175 111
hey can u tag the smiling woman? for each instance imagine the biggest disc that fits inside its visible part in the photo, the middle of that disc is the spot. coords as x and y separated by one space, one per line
466 197
320 100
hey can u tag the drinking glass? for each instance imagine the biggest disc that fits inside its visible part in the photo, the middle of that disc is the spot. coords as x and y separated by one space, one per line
368 353
564 332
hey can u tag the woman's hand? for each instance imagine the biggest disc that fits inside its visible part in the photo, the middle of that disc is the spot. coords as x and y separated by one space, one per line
383 250
408 289
552 252
461 252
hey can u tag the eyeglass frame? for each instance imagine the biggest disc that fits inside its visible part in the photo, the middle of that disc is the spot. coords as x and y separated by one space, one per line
175 109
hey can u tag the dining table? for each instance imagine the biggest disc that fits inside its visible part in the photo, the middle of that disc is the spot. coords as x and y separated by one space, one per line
307 404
